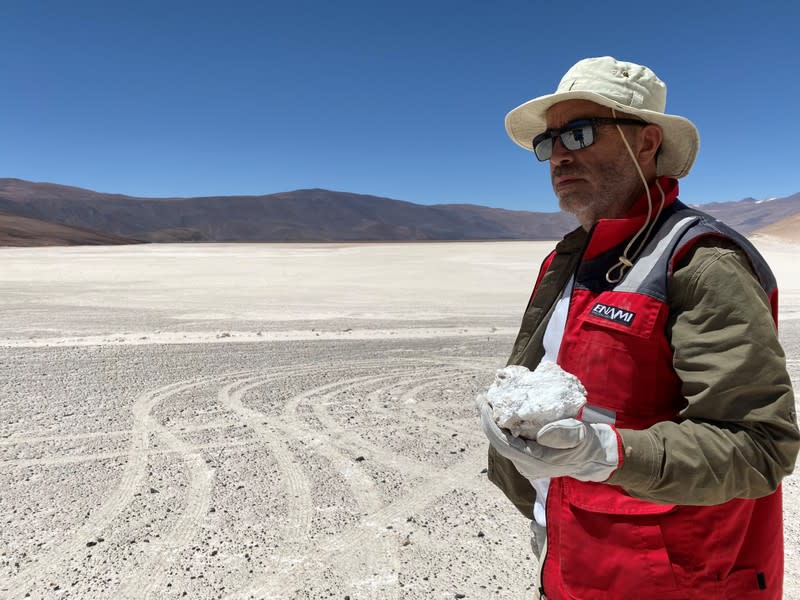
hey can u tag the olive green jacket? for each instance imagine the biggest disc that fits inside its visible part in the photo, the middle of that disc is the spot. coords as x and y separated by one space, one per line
738 436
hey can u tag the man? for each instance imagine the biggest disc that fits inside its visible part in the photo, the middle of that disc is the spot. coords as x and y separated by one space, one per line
668 483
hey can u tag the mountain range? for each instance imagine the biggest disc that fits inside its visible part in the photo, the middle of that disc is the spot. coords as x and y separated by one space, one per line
52 214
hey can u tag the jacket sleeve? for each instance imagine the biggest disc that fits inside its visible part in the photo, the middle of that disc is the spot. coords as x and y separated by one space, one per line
738 434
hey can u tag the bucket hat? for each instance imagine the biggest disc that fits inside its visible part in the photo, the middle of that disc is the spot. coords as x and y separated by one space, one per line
627 88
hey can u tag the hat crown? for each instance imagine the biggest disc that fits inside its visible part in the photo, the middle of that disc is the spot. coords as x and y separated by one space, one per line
623 86
625 83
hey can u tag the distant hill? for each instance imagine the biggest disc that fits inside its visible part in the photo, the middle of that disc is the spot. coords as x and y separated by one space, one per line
303 215
787 229
313 215
16 230
748 215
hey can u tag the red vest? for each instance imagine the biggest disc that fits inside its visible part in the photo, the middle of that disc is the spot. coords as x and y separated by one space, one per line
603 543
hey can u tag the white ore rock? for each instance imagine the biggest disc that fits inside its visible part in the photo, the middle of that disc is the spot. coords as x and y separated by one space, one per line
524 401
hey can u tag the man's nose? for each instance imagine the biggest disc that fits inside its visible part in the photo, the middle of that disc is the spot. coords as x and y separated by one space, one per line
560 155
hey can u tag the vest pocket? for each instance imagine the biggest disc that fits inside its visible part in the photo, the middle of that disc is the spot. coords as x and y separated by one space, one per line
612 543
609 499
624 367
628 314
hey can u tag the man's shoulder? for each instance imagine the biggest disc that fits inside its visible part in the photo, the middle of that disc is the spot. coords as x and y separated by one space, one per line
696 229
703 220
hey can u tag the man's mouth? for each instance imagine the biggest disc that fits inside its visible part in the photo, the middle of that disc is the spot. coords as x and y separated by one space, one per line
564 177
566 181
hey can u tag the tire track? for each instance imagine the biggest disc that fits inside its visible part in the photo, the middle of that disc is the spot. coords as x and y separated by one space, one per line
364 533
367 548
421 415
349 440
12 441
69 437
464 476
163 554
80 458
54 559
337 448
298 487
290 426
297 531
357 554
353 442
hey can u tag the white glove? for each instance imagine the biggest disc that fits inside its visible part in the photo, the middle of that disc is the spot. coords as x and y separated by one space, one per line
565 448
591 448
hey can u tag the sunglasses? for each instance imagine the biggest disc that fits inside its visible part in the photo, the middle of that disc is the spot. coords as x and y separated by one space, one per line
574 135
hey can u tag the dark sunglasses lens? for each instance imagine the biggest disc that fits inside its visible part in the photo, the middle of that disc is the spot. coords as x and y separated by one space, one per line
578 137
572 137
543 146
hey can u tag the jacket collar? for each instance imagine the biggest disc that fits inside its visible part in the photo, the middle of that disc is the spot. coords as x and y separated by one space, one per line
608 233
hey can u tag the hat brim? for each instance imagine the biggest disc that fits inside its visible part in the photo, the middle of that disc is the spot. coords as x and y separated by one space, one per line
678 149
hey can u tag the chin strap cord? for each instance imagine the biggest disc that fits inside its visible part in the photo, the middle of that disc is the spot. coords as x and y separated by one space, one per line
626 260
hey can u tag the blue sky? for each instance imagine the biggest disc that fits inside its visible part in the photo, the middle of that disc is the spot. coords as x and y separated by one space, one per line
398 99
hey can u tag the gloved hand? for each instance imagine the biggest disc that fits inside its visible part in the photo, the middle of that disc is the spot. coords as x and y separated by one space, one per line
565 448
593 448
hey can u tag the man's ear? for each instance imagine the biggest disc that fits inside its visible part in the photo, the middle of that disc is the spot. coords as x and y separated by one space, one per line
650 138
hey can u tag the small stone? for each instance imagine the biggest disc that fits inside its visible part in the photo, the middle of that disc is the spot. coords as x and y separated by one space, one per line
153 490
360 459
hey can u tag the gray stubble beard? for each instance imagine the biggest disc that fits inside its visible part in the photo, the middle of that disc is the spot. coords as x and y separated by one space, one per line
619 188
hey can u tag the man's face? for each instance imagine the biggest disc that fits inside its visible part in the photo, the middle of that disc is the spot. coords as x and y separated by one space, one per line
597 182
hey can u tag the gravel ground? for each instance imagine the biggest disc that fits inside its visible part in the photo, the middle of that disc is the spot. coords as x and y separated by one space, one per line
211 471
165 433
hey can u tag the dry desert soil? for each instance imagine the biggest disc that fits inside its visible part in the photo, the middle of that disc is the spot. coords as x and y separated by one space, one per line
269 421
